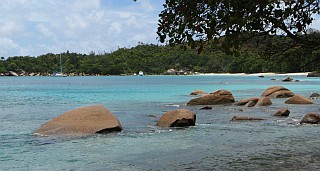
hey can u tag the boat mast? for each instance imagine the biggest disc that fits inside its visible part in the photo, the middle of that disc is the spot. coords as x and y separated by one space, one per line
60 64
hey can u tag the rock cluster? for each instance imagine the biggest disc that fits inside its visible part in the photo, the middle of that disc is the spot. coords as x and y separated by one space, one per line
215 98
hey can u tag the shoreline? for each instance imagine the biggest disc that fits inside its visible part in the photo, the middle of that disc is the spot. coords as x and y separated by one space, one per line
257 74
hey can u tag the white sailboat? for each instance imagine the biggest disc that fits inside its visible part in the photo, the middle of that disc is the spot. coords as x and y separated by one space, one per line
59 74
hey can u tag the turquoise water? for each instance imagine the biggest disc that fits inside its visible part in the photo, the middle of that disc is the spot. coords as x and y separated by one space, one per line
214 143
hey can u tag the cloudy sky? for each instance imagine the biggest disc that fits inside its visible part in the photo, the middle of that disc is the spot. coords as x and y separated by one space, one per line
35 27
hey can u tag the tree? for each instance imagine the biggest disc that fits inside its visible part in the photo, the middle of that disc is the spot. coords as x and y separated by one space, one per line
191 21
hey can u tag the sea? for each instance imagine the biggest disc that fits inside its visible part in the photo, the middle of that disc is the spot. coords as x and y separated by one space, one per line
214 143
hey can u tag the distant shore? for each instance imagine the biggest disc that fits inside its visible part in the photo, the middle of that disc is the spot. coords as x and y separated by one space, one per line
259 74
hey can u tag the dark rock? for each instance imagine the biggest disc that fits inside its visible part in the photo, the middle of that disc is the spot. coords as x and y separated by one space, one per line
288 79
282 112
313 74
311 118
261 76
152 116
215 98
177 118
206 108
81 121
315 95
245 118
277 92
298 99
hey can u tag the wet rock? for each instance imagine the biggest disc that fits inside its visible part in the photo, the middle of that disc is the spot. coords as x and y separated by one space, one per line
206 108
245 118
81 121
311 118
315 95
288 79
177 118
282 112
250 104
152 116
245 101
264 101
277 92
298 99
198 92
215 98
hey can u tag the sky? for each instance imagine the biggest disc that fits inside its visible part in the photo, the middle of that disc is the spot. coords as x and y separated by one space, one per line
36 27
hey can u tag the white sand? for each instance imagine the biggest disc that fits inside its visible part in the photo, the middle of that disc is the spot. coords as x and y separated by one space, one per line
259 74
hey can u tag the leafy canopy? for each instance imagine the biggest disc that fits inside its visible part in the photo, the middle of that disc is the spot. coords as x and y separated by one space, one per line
189 21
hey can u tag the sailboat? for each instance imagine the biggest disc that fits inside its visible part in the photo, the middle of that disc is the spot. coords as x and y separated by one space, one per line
59 74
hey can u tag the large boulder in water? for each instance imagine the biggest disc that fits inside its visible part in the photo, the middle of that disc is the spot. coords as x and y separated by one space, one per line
177 118
81 121
298 99
215 98
277 92
311 118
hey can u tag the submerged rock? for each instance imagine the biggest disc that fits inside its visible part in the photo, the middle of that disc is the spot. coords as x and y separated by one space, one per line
277 92
81 121
298 99
215 98
177 118
206 108
198 92
288 79
245 118
282 112
311 118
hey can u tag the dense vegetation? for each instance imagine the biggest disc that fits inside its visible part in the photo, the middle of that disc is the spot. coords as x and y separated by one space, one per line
155 59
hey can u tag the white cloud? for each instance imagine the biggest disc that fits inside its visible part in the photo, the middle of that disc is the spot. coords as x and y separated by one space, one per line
35 27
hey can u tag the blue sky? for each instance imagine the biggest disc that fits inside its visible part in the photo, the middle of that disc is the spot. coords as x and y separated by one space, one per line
35 27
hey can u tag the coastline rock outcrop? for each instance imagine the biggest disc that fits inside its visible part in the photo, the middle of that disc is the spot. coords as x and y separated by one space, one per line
298 99
315 95
81 121
11 73
254 101
311 118
277 92
177 118
282 112
245 118
214 98
313 74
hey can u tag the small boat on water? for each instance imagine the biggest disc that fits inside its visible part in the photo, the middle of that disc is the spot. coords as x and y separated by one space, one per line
141 73
60 73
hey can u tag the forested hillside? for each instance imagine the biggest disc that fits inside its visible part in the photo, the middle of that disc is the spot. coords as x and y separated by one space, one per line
254 56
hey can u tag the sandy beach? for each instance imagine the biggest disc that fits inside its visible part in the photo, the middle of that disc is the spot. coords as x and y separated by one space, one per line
258 74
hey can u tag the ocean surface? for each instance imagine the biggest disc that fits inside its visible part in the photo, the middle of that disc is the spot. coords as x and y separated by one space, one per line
214 143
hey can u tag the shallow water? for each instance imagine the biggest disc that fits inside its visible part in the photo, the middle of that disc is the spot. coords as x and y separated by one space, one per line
214 143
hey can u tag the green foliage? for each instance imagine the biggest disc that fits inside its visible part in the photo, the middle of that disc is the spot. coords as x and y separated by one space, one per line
155 59
189 21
